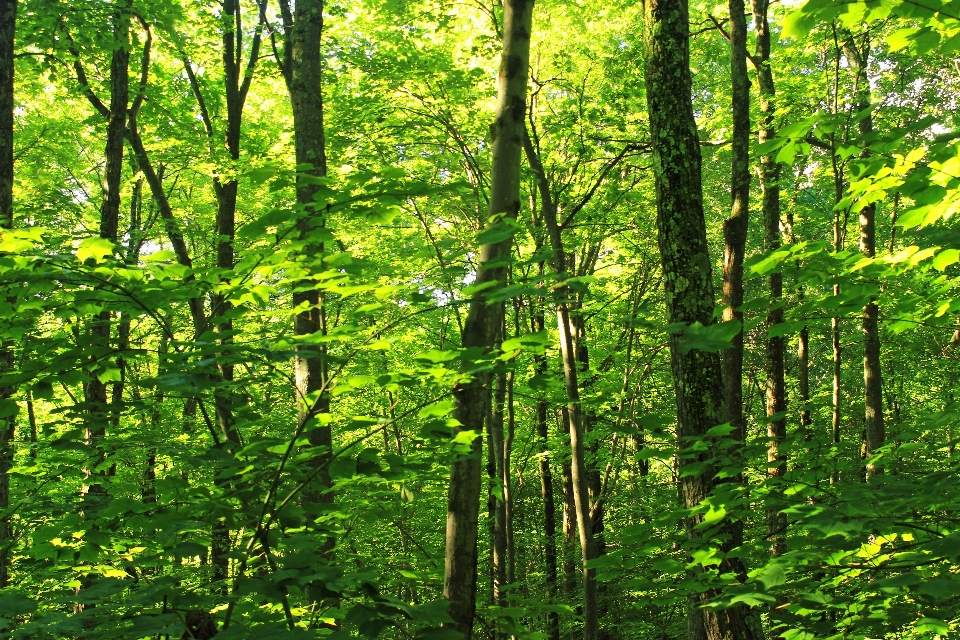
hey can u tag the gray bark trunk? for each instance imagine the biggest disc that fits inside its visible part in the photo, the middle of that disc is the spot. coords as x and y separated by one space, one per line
472 397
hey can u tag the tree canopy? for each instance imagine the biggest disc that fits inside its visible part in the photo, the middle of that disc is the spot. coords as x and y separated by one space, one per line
479 318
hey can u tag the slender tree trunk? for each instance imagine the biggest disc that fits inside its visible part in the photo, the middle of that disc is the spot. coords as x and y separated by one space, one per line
546 491
95 391
510 557
803 358
569 529
839 234
769 183
472 397
685 258
735 227
580 475
498 509
874 433
32 421
236 86
8 19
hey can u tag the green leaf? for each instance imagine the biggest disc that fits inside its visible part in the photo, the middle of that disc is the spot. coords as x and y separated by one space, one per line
437 409
96 248
502 230
940 587
16 604
711 338
532 342
771 576
721 430
946 258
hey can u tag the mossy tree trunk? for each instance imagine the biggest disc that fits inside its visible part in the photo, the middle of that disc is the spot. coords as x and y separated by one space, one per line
687 274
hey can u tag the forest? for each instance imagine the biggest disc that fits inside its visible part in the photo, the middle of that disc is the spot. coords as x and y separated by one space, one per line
479 319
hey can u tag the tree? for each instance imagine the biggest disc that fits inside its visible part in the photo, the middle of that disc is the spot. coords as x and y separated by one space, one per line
324 498
481 328
681 233
8 19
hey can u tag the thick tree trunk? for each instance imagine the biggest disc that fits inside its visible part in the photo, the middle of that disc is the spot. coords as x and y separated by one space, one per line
8 19
874 433
769 184
302 68
472 396
685 258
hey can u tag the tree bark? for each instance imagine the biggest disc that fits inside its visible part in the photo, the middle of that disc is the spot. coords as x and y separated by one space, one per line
303 71
8 19
685 258
497 503
839 239
546 491
874 433
471 395
735 227
95 391
769 183
574 416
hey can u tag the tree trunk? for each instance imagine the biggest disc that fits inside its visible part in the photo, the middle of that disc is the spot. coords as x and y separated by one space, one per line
498 509
472 396
236 86
735 227
874 434
770 187
95 391
580 475
685 258
546 491
303 72
8 19
510 549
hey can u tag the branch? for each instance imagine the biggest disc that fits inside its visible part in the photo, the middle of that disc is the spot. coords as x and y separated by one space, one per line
144 70
195 87
254 52
596 185
756 65
273 39
84 84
